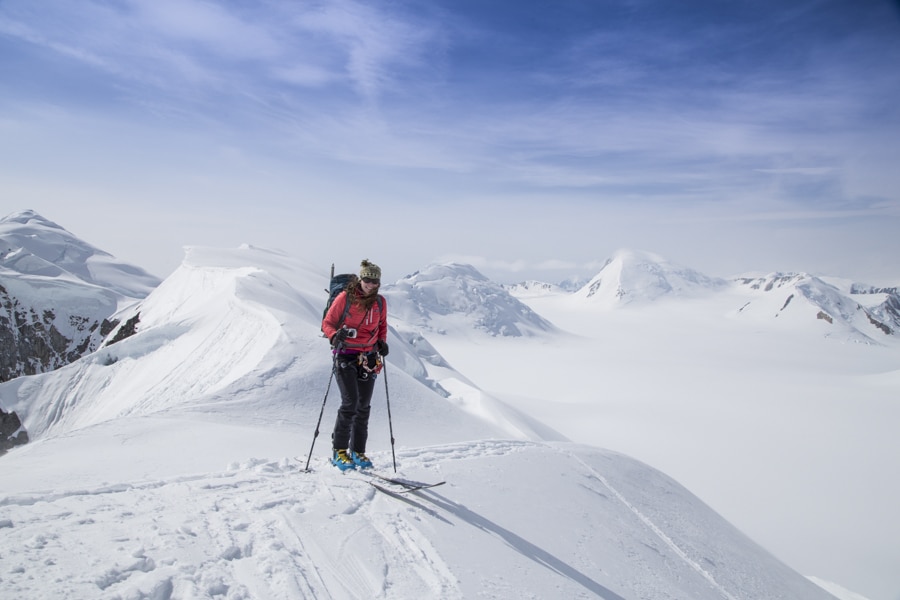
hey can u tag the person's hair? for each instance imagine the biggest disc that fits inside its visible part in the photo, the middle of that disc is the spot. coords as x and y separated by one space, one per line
357 296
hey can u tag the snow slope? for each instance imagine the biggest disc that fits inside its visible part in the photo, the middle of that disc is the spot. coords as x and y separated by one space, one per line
166 466
566 522
782 421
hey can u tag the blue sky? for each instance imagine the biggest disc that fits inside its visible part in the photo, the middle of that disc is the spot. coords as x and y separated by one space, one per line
531 139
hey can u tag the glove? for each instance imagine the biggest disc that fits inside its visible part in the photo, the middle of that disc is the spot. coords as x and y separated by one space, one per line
339 337
382 347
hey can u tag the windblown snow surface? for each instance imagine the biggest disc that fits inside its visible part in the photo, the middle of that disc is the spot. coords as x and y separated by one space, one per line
172 464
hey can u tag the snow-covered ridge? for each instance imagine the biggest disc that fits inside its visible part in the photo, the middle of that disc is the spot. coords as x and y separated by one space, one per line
225 322
208 325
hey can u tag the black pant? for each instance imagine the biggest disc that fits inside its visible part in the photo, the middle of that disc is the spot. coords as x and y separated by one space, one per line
351 428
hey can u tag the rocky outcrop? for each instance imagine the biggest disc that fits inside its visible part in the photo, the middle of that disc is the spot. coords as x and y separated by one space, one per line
31 341
11 431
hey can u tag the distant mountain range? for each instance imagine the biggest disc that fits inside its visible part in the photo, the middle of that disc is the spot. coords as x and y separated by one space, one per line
61 298
854 311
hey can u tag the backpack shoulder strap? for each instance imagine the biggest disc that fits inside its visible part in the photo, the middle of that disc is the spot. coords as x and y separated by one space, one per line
346 310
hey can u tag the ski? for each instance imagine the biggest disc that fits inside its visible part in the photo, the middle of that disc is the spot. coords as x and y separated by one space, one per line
405 489
406 484
401 486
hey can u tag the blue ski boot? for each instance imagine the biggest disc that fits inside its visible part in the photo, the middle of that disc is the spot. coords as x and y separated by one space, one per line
342 460
360 460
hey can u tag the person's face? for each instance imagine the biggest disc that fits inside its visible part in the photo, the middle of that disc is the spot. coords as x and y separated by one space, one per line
369 285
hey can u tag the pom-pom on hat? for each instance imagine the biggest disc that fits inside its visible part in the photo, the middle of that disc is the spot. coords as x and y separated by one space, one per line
369 269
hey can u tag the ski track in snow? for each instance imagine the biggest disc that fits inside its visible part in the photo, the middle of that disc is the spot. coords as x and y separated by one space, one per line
655 529
253 531
262 529
269 529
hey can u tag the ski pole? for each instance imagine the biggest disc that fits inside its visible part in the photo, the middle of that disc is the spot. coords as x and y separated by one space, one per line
322 411
387 395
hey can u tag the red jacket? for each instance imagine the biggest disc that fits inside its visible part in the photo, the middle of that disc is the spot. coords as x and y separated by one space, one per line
371 325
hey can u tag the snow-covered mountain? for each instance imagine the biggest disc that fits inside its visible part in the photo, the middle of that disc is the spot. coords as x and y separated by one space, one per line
162 467
449 296
58 296
637 277
841 311
220 320
34 246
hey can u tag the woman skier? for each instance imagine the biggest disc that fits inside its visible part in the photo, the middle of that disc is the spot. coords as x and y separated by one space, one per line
356 325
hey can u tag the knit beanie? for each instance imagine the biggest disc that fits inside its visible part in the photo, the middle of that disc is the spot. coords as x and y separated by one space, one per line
369 269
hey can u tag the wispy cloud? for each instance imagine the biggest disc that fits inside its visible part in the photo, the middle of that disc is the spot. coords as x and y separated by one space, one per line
376 43
653 110
357 82
210 26
167 43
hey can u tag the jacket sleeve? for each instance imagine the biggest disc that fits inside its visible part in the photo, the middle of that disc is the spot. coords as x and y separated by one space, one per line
333 316
382 322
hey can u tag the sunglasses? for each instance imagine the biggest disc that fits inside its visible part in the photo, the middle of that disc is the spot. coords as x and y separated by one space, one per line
371 280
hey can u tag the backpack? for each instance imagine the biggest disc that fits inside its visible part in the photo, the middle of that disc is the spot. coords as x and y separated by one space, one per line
337 285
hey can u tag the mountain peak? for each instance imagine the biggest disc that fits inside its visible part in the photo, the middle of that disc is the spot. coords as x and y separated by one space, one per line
28 217
451 270
35 246
636 276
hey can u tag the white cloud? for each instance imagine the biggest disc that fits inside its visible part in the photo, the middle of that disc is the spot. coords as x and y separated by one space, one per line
223 32
374 41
